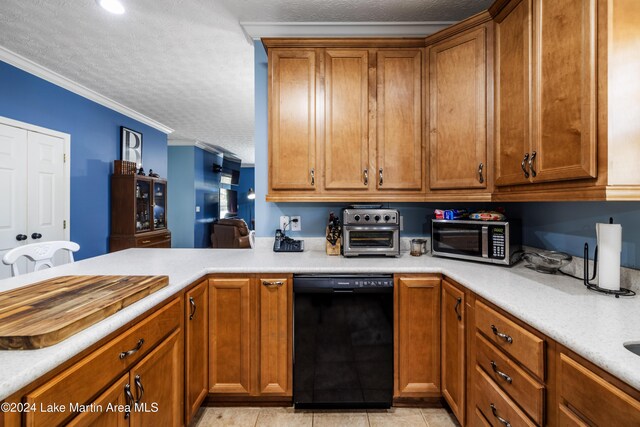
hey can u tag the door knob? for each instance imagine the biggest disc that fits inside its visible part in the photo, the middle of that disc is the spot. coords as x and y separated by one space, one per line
36 236
21 237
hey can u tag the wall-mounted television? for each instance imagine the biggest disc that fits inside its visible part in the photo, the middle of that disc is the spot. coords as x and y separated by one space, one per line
229 171
228 202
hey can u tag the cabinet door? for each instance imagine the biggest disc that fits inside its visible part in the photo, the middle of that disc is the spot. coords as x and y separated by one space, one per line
458 111
159 205
417 337
565 86
229 336
513 94
292 119
276 336
157 385
453 349
346 121
196 348
99 413
399 126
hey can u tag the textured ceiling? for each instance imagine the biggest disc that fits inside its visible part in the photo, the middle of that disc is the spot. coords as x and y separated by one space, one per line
354 10
185 63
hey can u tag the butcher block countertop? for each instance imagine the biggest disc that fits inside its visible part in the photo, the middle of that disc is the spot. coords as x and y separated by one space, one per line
50 311
592 325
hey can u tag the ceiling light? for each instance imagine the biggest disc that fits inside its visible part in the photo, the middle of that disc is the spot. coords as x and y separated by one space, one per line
113 6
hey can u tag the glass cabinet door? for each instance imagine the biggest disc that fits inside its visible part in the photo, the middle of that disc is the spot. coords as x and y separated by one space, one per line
159 205
143 205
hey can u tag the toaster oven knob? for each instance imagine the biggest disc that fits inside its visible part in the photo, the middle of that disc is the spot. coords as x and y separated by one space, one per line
366 217
356 217
387 218
377 218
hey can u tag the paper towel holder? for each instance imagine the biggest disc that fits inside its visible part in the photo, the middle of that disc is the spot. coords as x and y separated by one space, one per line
593 286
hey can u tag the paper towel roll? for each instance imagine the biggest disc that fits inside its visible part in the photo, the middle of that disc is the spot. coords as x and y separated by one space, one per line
609 247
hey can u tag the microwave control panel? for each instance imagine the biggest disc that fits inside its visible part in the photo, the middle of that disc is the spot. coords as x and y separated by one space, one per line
497 242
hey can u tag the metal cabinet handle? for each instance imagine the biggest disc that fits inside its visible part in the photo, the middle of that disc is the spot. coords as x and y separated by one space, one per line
495 414
36 236
480 176
146 241
501 374
193 308
21 237
523 165
139 387
313 177
366 177
505 337
381 177
458 302
130 400
133 350
531 159
272 284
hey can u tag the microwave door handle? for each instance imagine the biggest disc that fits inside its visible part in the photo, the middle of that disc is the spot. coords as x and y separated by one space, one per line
485 241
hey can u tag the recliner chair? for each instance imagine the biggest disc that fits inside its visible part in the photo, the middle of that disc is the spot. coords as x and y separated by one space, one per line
230 233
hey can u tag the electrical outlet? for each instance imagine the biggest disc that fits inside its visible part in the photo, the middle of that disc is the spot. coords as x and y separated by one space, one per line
296 225
197 208
401 223
284 222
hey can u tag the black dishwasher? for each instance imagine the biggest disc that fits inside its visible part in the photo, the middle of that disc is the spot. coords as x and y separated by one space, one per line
343 341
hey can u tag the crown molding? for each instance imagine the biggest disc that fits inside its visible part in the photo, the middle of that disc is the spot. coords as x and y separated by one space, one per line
44 73
257 30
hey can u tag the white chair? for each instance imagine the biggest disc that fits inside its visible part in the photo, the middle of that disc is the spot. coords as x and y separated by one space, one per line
40 253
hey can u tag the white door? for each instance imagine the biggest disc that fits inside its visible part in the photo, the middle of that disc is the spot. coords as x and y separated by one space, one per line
13 192
33 193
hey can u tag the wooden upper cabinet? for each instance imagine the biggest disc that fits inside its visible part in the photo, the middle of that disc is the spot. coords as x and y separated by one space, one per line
196 348
346 120
458 111
276 336
565 90
292 119
400 160
417 336
229 336
453 349
513 94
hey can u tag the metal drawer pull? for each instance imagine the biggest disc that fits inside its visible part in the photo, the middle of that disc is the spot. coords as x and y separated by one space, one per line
458 301
130 400
381 178
481 177
505 337
146 241
139 387
533 171
495 414
366 177
133 350
313 177
523 165
193 308
272 284
501 374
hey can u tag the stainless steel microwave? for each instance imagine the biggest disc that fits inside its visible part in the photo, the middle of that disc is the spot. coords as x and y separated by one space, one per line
496 242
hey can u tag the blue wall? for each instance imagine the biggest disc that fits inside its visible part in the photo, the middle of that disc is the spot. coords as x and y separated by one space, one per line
95 143
181 196
558 226
207 184
246 207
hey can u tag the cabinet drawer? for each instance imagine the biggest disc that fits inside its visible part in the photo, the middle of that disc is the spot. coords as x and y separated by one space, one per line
157 241
519 385
524 346
581 390
84 380
478 419
495 405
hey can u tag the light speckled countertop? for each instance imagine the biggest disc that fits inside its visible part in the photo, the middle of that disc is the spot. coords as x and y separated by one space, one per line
593 325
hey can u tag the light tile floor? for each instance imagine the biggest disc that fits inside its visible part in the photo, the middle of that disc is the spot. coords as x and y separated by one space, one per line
288 417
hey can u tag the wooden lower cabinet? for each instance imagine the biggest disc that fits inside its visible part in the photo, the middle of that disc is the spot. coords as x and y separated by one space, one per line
417 336
157 385
251 336
196 347
114 397
453 348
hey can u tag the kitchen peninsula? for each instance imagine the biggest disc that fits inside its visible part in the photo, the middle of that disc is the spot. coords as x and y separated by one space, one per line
560 309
